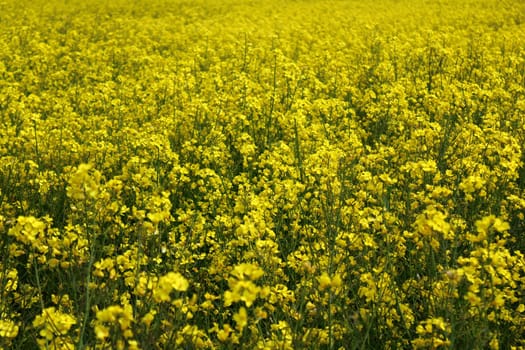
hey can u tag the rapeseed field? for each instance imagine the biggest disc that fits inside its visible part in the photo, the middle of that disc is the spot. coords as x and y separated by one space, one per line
262 174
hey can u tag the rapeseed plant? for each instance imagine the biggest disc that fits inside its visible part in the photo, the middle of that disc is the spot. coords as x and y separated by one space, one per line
224 174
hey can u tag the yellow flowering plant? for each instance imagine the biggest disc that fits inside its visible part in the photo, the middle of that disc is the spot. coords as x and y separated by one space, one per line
218 174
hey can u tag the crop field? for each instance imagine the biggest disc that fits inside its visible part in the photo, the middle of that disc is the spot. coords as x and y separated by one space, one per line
262 174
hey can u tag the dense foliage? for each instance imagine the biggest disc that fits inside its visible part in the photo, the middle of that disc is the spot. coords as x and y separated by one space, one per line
262 174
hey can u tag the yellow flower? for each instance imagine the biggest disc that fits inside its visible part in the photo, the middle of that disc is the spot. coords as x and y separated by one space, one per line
28 230
250 271
500 225
498 301
494 343
337 281
484 226
101 331
433 333
53 323
324 281
10 280
224 333
8 329
245 291
117 316
241 319
84 183
149 317
369 291
167 283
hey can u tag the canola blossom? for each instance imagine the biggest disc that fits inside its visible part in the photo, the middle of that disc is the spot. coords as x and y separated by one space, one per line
266 174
